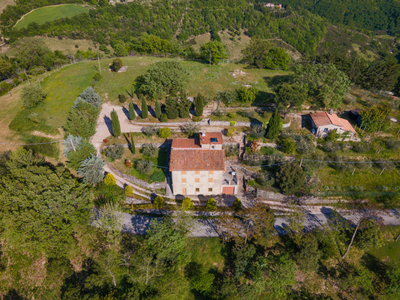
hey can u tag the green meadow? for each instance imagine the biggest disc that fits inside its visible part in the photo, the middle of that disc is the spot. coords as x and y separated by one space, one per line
65 84
50 13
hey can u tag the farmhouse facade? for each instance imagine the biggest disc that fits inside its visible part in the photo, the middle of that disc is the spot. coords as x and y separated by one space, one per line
198 166
324 122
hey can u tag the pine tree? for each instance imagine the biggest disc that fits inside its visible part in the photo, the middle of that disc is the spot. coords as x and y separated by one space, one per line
90 96
145 112
91 170
116 126
273 126
199 104
158 109
132 114
133 148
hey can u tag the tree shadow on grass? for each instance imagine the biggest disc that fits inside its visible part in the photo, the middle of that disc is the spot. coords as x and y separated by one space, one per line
276 80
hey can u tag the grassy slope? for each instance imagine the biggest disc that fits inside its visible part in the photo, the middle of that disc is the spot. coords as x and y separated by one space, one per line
64 85
50 13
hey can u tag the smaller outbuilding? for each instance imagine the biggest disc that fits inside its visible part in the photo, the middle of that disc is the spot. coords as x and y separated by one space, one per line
324 122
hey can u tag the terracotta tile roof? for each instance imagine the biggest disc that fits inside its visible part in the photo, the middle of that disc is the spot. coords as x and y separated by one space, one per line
185 143
324 118
197 160
206 139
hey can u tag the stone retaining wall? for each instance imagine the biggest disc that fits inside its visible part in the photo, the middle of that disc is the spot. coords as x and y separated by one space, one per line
142 183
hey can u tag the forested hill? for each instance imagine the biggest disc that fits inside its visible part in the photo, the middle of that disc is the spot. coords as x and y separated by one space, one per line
179 19
373 15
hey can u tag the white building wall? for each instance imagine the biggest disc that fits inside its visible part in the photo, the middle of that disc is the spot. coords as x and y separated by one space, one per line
187 180
322 131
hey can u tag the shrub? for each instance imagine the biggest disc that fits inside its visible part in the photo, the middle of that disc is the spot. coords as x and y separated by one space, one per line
122 98
197 119
109 179
150 130
251 182
164 118
237 205
128 190
305 145
91 170
290 178
211 205
187 204
114 152
149 150
361 147
32 95
228 97
192 129
265 180
158 176
253 159
97 76
143 166
164 133
331 147
257 131
288 145
232 115
116 65
231 132
247 95
232 123
159 202
332 136
231 150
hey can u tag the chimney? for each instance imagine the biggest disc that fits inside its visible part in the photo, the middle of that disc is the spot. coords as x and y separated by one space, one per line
331 111
203 134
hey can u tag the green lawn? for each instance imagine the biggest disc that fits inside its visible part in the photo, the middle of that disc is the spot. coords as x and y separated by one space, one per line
64 85
51 13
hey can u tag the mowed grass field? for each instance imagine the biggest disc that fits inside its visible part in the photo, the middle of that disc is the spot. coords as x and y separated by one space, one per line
50 13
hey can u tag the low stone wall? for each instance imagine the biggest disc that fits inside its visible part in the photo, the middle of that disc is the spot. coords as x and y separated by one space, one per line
142 183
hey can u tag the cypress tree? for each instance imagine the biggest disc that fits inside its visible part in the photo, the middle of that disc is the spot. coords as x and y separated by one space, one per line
158 109
132 114
199 104
145 112
133 149
116 126
273 126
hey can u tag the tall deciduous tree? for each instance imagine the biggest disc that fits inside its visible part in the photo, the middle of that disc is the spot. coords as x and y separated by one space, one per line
213 52
32 95
291 95
163 78
199 104
255 52
158 109
274 125
290 178
145 110
132 114
116 126
324 83
43 209
277 59
254 223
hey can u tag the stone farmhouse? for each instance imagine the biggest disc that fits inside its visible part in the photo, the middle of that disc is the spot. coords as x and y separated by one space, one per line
198 166
324 122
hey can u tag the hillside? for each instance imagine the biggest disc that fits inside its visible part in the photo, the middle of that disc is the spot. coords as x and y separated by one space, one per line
371 15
